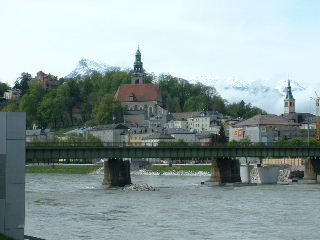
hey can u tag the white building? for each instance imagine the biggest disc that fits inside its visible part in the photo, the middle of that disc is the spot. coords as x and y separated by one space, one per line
12 94
183 124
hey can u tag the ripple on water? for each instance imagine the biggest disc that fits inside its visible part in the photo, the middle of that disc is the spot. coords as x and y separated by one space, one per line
180 210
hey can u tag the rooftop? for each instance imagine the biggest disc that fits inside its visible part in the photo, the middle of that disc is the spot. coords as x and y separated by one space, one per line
265 119
140 92
159 136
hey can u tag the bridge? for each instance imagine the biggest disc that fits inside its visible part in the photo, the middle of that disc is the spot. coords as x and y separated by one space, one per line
225 165
119 150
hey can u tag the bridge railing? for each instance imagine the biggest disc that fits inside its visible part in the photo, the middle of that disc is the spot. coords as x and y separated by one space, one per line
44 144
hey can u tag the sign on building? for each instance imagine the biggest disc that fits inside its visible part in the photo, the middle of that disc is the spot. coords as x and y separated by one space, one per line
238 132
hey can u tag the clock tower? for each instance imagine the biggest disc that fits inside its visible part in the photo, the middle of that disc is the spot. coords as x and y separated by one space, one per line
138 71
289 101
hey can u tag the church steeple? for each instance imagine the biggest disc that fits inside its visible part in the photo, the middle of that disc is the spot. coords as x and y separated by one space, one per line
138 71
289 101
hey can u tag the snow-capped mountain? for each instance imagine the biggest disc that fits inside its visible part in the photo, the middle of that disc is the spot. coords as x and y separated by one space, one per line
86 67
253 87
266 94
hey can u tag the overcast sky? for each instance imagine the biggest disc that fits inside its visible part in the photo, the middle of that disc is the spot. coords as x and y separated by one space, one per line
247 40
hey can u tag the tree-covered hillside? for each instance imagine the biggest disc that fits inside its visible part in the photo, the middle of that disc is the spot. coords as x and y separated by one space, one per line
90 100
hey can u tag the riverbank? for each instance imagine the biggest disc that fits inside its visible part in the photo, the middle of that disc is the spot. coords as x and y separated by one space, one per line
63 169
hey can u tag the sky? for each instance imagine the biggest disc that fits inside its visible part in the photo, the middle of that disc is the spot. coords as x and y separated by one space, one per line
247 40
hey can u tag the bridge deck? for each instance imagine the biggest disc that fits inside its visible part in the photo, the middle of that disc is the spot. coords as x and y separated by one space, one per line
91 152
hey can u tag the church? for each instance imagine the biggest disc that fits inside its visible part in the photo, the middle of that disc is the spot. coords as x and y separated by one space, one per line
141 100
290 109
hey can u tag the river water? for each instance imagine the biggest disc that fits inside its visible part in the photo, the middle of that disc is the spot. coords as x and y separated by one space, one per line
64 207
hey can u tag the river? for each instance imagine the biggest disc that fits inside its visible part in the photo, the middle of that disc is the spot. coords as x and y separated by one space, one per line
63 207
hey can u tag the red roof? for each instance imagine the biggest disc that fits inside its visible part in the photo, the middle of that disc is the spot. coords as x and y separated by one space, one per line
140 92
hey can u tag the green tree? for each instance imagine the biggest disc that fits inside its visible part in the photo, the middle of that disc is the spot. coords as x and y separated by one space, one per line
48 111
3 88
196 103
30 102
241 143
68 97
22 83
313 142
13 106
295 142
243 110
222 135
107 111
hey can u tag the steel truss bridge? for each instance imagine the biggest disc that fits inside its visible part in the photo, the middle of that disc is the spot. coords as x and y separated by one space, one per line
87 151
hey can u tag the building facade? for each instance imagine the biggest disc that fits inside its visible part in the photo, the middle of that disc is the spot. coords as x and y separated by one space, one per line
12 94
112 133
266 128
48 81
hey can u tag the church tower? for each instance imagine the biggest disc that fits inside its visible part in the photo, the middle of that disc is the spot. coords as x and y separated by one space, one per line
289 101
138 71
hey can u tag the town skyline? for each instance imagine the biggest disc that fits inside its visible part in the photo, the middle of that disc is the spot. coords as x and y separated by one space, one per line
230 39
239 40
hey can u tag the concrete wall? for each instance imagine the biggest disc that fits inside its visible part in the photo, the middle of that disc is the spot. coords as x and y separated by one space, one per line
12 174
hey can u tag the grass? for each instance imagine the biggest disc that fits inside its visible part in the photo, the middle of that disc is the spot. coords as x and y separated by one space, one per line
191 168
63 169
3 237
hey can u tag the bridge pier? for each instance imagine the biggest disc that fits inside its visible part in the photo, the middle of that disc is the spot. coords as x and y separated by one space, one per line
245 173
116 172
311 169
268 174
224 170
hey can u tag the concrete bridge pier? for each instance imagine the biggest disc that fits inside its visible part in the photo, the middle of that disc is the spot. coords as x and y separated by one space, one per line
311 169
268 174
245 173
116 172
224 170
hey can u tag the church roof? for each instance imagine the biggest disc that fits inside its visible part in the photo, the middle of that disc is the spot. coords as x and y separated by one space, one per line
140 92
265 119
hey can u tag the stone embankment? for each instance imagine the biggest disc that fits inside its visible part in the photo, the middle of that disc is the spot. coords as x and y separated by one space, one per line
285 174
